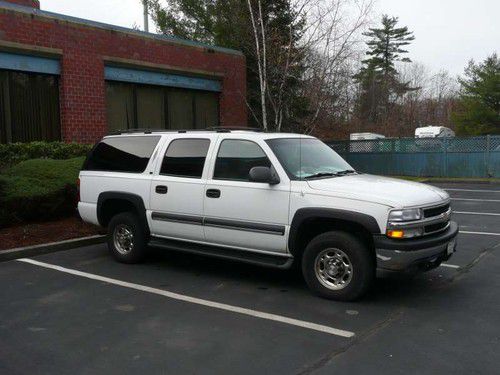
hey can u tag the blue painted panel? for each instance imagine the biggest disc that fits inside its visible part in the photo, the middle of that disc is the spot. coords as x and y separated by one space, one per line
161 79
27 63
471 164
494 164
456 157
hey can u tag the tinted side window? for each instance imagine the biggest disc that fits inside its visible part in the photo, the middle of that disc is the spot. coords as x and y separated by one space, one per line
185 158
122 154
235 159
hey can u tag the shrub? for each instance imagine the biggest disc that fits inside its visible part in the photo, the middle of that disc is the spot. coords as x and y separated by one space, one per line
12 153
38 189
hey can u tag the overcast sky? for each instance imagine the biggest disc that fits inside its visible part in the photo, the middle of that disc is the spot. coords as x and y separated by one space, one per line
448 32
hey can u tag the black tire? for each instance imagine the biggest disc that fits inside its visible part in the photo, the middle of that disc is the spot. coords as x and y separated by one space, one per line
356 282
130 222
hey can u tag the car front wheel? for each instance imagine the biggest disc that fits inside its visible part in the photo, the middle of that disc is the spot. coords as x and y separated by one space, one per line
337 265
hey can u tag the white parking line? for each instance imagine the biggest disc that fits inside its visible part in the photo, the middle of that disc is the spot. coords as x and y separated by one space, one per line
483 233
449 265
475 199
476 191
197 301
476 213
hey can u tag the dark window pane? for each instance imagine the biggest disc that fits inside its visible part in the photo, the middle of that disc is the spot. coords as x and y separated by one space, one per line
120 106
206 109
31 104
185 158
235 159
5 128
150 107
180 109
122 154
131 106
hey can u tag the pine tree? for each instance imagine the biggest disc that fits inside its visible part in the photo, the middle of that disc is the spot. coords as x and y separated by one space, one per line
479 107
378 78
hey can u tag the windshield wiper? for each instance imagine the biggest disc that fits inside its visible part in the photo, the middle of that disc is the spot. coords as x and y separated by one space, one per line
343 173
330 174
321 174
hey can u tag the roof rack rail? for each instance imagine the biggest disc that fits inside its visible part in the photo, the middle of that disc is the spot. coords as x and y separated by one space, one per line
217 129
131 131
228 129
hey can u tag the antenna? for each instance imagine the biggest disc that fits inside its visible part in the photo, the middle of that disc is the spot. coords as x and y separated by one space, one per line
146 15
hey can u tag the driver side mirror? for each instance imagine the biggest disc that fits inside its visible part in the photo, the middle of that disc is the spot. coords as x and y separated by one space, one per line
264 174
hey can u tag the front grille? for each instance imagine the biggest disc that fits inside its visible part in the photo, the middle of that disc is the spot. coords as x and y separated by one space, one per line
435 227
435 211
435 219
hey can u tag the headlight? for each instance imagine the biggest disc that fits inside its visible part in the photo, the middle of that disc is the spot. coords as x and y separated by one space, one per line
408 214
401 223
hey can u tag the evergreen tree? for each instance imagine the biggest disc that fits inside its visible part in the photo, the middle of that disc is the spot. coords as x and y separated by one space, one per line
479 106
378 78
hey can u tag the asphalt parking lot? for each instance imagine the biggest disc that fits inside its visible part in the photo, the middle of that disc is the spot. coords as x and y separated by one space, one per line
80 312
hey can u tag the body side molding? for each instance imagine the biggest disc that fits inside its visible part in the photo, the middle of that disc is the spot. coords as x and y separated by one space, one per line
177 218
246 226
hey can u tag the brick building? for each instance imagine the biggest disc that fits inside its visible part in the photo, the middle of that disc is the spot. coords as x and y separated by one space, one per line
65 78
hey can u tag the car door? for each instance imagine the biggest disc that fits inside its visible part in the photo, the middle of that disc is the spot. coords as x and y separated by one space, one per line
240 213
178 188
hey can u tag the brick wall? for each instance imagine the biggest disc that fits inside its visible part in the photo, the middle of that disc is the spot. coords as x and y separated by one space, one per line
27 3
84 48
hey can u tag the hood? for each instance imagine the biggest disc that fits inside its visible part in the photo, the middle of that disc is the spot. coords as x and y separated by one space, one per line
384 190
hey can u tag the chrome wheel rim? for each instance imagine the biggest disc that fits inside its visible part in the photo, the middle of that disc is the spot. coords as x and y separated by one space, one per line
123 239
333 268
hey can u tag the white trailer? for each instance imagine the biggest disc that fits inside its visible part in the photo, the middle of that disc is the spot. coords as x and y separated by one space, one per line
365 136
434 132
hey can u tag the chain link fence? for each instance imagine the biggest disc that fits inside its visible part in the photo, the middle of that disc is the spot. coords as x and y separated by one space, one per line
424 157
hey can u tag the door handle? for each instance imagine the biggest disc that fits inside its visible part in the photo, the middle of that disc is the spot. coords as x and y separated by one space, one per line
213 193
161 189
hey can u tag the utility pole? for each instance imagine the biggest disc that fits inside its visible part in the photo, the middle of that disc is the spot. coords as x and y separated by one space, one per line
146 16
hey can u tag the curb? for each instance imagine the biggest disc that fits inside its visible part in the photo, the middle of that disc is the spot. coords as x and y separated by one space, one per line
52 247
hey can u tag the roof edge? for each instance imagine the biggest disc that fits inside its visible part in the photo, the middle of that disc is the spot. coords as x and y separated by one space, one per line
105 26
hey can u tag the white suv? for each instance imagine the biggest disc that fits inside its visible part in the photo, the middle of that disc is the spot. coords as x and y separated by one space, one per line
271 199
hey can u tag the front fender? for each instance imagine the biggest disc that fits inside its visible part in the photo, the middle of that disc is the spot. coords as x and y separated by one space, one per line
305 214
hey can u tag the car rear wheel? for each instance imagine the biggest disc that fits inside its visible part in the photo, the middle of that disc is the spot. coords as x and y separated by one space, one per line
337 265
126 238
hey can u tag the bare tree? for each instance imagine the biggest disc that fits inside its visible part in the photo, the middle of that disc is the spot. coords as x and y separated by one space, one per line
431 104
325 49
259 32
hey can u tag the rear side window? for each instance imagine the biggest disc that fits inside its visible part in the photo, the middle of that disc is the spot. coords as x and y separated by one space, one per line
185 158
235 159
122 154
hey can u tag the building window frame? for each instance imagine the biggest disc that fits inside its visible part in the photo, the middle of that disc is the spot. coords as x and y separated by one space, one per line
35 118
167 93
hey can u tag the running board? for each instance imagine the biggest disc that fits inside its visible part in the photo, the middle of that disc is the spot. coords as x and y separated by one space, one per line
265 260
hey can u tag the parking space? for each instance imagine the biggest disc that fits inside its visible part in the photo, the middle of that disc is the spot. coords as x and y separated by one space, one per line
81 312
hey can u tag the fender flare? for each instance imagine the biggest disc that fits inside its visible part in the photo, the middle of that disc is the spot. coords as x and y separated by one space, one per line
302 215
135 199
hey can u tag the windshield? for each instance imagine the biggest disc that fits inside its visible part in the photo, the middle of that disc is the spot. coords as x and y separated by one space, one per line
308 158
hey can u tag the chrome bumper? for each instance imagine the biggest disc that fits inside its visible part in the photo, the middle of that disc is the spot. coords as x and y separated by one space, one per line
415 254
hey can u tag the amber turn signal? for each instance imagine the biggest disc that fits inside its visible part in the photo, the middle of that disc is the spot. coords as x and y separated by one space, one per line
395 233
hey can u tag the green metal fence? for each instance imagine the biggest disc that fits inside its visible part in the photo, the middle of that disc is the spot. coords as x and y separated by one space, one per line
424 157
